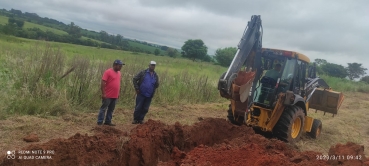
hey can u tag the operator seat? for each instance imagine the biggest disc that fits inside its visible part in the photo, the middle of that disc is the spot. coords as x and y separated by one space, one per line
267 87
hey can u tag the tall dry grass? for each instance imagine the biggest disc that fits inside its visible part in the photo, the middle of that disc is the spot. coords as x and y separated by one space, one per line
345 85
44 81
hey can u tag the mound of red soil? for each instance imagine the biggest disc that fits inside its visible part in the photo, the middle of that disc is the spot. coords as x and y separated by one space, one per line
348 154
155 141
31 138
81 149
248 150
209 142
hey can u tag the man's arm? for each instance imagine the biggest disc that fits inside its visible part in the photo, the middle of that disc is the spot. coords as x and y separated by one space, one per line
120 88
135 79
103 89
157 81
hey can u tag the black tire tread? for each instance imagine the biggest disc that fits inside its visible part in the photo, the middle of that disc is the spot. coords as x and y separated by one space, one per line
316 124
282 130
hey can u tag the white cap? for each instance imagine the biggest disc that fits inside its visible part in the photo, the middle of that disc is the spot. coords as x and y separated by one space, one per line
152 63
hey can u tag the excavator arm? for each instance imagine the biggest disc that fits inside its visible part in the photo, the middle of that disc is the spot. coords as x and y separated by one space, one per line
250 44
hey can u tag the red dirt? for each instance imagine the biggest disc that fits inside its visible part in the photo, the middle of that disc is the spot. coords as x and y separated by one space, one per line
209 142
349 154
31 138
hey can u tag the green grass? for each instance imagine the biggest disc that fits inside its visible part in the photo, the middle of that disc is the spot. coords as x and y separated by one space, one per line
43 28
30 69
171 65
345 85
349 125
3 20
34 68
86 38
144 47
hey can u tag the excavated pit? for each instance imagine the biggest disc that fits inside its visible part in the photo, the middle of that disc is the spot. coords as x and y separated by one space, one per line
208 142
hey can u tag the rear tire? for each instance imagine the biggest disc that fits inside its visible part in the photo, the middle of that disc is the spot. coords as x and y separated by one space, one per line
290 125
316 129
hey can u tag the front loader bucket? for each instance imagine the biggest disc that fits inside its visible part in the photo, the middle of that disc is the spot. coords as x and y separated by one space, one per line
326 100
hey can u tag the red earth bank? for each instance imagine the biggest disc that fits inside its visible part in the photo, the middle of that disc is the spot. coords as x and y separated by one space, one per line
209 142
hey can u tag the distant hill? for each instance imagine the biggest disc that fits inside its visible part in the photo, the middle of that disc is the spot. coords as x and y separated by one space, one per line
36 27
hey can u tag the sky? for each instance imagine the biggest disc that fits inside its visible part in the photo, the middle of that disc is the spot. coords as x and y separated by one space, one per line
334 30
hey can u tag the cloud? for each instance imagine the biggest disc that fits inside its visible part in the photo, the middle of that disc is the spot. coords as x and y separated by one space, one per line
333 30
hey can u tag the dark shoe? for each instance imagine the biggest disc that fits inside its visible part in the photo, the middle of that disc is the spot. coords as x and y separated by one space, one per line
99 123
140 122
135 122
109 124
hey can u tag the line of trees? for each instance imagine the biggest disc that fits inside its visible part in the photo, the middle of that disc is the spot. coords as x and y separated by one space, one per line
353 71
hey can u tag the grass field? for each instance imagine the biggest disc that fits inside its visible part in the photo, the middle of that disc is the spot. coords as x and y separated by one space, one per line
145 47
43 28
182 81
350 124
164 63
345 85
4 20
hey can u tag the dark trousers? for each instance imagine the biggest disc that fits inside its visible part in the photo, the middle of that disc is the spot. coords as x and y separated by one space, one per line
142 107
108 103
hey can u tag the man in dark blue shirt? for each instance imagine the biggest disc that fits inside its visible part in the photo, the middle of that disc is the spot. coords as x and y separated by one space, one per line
145 84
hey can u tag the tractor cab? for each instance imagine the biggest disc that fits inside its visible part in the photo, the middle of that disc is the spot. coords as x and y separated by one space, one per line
281 71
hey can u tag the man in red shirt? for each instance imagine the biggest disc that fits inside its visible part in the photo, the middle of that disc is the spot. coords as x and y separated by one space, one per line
110 88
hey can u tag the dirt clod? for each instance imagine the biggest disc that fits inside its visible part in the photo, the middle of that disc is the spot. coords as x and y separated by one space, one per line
31 138
211 141
347 154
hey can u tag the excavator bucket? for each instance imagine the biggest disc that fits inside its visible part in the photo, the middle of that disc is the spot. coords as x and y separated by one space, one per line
240 92
242 85
326 100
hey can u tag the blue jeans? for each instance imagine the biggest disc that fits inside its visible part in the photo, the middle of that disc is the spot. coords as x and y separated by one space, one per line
142 107
109 104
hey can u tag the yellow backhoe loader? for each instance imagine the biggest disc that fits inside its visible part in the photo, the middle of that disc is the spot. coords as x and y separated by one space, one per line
272 89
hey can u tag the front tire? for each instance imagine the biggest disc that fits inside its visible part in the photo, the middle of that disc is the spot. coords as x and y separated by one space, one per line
316 129
290 125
